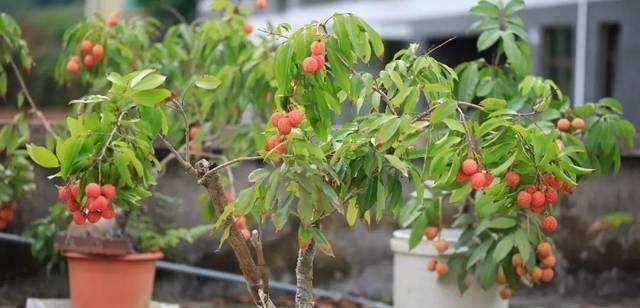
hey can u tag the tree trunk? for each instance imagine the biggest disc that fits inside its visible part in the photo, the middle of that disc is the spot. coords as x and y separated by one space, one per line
304 277
211 181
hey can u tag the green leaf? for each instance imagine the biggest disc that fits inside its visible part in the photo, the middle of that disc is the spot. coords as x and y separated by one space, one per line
479 253
150 81
488 38
321 242
488 271
503 248
522 242
398 164
150 97
417 231
207 82
42 156
502 223
443 110
139 75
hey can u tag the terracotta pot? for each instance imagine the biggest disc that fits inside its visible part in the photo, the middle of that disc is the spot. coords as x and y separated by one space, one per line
97 281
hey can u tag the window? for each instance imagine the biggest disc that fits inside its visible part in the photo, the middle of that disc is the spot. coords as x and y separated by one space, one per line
608 48
558 56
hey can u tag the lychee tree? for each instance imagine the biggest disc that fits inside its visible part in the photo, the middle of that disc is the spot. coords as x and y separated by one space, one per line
196 58
490 140
16 171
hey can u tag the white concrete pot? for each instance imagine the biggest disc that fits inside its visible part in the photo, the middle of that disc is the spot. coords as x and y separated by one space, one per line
416 287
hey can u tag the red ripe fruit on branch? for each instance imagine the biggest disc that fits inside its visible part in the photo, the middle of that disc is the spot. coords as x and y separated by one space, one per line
516 260
88 61
549 223
64 193
100 203
568 187
512 178
310 65
478 180
442 268
430 233
431 265
320 60
551 195
543 250
92 190
108 212
275 117
524 199
108 191
261 4
73 206
549 262
317 48
441 246
488 179
469 167
461 177
521 271
536 274
547 275
73 67
563 124
506 293
112 19
93 217
248 28
98 52
246 234
531 188
284 126
537 199
273 141
240 222
578 123
86 46
295 116
79 218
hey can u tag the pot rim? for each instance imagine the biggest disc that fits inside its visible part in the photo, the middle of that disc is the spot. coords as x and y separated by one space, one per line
146 256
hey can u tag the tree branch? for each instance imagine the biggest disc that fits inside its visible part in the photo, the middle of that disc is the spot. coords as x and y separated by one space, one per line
211 181
34 107
185 164
304 277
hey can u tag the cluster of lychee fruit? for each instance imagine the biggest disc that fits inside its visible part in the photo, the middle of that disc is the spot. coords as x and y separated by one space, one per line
441 247
284 122
472 171
540 195
6 213
90 54
543 272
96 202
564 124
316 60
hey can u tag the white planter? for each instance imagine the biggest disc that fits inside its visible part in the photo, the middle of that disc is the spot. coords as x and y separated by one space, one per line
416 287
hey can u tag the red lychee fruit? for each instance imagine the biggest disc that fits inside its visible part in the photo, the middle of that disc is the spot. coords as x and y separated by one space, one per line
578 123
469 167
92 190
310 64
512 178
563 124
295 116
549 223
317 48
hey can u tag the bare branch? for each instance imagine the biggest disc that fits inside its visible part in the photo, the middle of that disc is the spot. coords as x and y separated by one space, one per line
185 164
34 107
